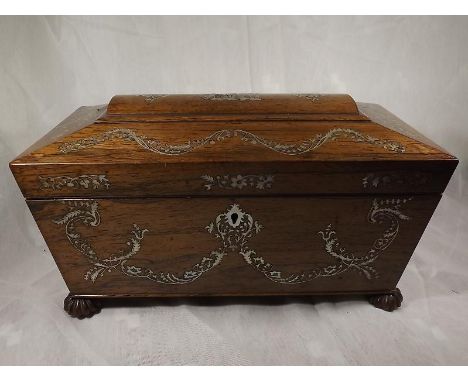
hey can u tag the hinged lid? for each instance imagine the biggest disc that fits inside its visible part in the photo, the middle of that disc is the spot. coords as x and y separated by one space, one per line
231 144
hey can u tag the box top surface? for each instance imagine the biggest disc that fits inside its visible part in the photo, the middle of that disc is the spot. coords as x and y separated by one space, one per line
184 131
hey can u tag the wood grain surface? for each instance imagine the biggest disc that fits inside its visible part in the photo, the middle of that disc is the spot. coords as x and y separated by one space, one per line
116 146
177 239
245 104
232 194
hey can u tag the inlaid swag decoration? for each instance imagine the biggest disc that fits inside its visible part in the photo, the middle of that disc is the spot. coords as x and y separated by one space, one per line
233 228
156 146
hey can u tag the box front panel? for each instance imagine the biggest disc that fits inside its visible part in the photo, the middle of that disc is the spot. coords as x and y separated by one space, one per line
232 246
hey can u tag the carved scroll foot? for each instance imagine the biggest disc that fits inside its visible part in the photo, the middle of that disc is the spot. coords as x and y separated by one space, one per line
81 307
388 301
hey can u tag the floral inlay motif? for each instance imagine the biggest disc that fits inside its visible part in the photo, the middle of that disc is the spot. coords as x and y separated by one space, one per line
232 97
82 181
312 97
372 180
150 98
233 228
230 182
156 146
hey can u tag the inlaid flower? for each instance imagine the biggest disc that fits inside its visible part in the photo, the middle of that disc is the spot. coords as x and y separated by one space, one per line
238 182
84 182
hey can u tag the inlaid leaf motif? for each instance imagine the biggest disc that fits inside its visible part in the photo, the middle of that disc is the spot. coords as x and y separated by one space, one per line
154 145
231 182
83 181
233 228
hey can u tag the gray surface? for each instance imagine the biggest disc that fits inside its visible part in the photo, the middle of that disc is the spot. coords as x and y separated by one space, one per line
415 67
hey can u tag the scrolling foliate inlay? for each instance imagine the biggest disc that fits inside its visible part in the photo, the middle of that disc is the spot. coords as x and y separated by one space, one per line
382 210
150 98
311 97
231 182
159 147
233 228
232 97
87 213
95 182
372 180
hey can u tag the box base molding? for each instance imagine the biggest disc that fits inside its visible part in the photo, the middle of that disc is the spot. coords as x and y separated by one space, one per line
86 306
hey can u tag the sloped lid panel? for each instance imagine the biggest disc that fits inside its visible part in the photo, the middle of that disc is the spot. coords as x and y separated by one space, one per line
144 153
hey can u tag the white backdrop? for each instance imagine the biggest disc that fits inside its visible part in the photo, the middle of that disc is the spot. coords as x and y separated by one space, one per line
417 67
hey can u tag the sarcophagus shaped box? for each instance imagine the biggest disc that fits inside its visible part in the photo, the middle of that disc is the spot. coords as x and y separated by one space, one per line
232 194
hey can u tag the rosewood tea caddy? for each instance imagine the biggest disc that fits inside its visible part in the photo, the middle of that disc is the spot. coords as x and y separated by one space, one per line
232 195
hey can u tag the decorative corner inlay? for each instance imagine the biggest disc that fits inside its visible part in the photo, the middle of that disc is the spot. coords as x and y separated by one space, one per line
231 182
311 97
233 228
372 180
87 213
303 147
232 97
95 182
150 98
382 210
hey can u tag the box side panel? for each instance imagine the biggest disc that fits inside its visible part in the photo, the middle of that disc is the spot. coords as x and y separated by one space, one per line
226 246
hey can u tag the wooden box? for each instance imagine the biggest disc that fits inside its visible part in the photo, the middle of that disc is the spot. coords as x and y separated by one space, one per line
232 195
